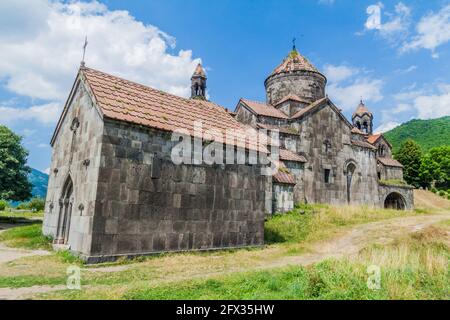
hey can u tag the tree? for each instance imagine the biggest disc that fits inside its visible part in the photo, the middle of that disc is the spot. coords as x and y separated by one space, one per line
410 156
14 184
435 167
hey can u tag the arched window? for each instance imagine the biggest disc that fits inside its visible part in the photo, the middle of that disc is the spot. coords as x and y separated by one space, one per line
350 170
65 213
365 127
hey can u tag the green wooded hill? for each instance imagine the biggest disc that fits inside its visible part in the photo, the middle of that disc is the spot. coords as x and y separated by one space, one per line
427 133
39 180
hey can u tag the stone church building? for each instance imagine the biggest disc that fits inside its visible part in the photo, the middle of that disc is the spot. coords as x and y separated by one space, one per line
115 191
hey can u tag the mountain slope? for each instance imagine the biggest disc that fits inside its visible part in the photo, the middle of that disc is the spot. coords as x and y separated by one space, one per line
39 180
427 133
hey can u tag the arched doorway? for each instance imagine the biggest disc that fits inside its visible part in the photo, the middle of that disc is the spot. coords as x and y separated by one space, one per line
65 213
394 201
350 170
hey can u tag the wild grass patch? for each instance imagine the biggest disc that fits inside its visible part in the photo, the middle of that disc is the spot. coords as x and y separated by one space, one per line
27 237
316 222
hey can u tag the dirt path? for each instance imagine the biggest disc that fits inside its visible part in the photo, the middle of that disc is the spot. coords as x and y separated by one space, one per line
350 243
8 254
347 244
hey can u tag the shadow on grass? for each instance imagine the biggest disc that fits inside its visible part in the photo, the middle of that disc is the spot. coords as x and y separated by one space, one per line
13 222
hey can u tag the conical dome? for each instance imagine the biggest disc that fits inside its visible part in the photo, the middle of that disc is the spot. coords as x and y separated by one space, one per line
361 110
294 62
295 76
199 71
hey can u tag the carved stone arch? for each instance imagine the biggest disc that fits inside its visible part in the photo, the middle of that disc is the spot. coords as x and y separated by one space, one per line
349 171
65 212
395 200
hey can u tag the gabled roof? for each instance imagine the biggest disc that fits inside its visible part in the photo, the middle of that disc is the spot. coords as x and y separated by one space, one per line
363 144
283 178
123 100
309 108
283 175
316 106
389 162
291 97
263 109
288 155
374 138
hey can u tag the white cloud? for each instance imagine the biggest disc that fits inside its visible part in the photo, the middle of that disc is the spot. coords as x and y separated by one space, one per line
348 96
46 114
386 126
43 145
397 25
433 30
339 73
41 48
424 103
407 70
433 106
47 171
347 85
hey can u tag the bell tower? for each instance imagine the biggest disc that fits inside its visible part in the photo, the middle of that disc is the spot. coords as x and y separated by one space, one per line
363 119
198 83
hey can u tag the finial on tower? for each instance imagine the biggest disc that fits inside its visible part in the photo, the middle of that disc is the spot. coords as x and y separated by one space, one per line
84 51
293 44
198 83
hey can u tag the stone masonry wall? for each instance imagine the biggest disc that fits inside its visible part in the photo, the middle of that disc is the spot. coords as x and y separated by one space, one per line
309 86
406 193
325 139
75 155
146 204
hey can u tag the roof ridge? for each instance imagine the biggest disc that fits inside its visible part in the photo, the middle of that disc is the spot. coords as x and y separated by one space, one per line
140 84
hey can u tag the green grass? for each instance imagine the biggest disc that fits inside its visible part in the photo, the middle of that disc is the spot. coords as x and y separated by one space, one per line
413 267
21 215
394 182
27 237
29 281
327 280
316 222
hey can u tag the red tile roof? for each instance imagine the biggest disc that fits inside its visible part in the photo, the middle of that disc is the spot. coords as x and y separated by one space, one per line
390 162
284 178
264 109
288 155
127 101
291 97
312 106
361 110
294 62
373 138
363 144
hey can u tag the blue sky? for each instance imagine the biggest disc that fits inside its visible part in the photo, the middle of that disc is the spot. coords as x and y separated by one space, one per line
394 54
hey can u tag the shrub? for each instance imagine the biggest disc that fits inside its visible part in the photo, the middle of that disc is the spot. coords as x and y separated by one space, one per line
37 204
434 190
23 206
3 205
442 193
